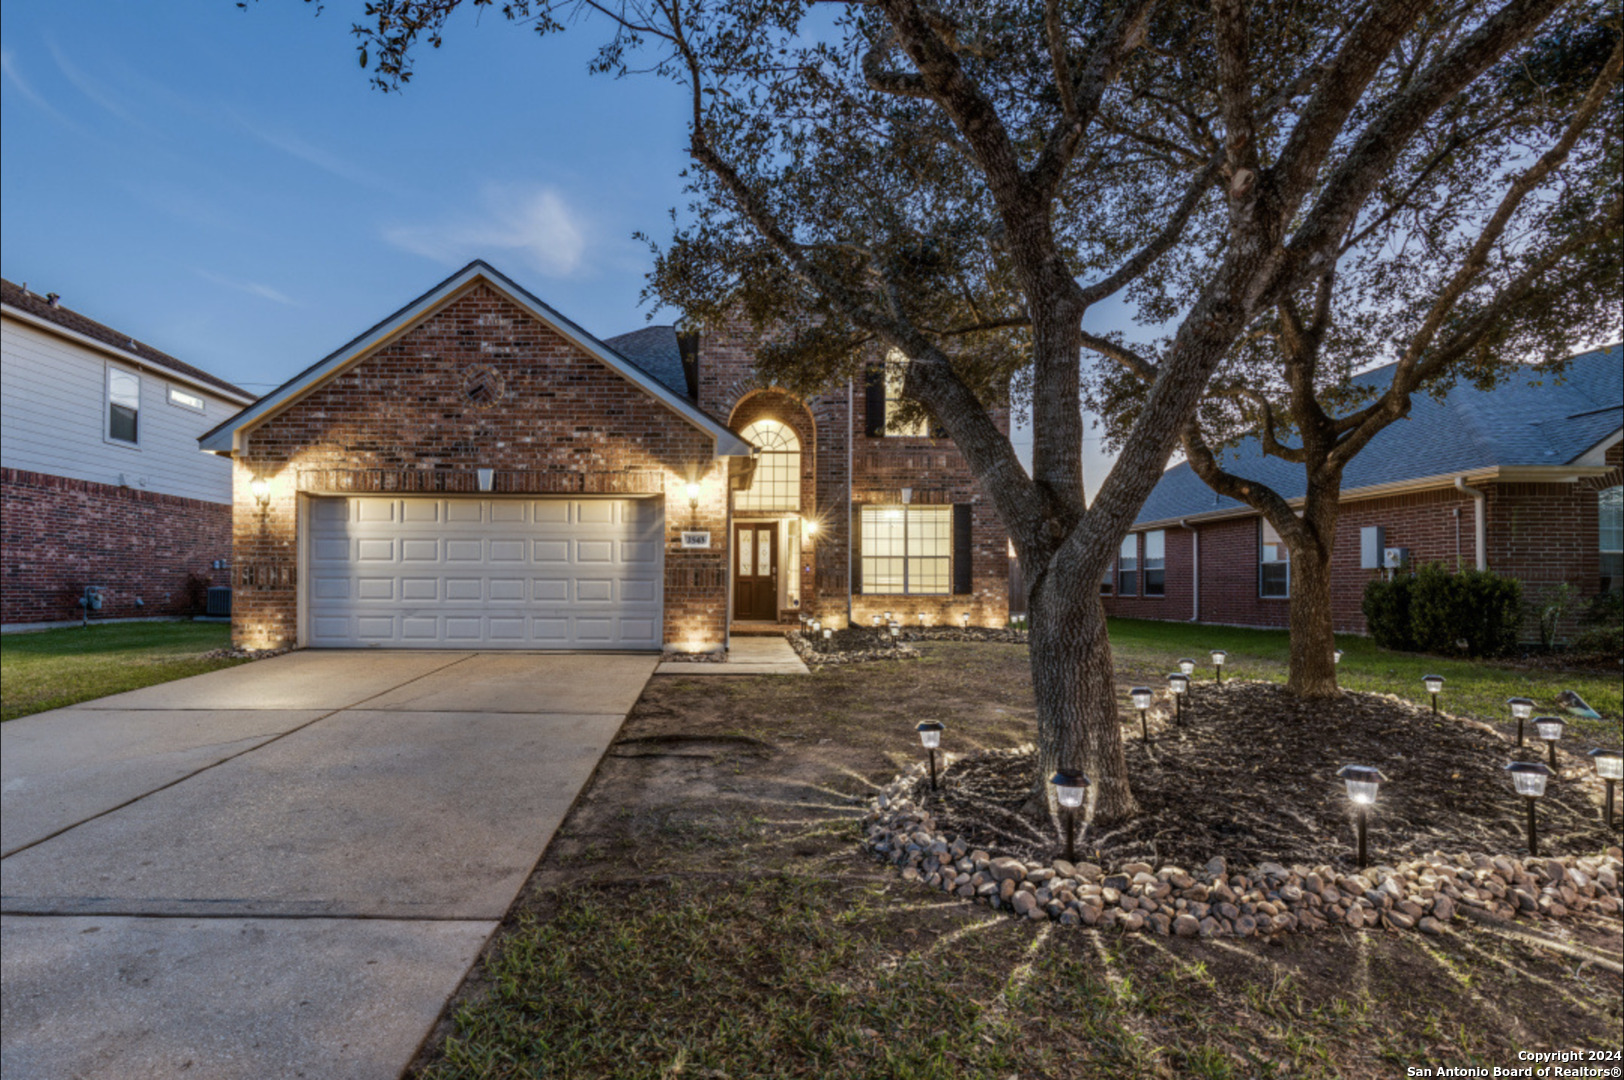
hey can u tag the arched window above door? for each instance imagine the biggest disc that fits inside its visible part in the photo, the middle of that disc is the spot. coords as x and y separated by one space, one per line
776 485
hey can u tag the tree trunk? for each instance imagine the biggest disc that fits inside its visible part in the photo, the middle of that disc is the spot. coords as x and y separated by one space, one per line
1313 646
1074 681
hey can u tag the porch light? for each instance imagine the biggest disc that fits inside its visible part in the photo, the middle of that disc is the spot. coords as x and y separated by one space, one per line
1068 789
1218 658
1529 778
1142 697
930 737
809 528
1363 782
1610 767
1521 708
1179 683
1549 728
693 496
1187 666
261 489
1435 686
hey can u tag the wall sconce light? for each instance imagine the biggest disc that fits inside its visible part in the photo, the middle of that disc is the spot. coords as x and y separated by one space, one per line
809 529
487 477
693 496
261 489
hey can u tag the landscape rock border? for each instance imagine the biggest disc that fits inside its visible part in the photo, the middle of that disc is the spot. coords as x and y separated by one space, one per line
801 642
1421 894
237 652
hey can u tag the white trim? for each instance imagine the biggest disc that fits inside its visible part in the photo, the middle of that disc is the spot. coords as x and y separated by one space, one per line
121 355
1597 455
223 438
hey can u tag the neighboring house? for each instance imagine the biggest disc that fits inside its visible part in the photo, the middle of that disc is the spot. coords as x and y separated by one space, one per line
478 471
100 473
1523 480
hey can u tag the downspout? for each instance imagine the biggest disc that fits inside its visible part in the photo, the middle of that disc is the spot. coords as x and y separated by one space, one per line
1480 534
1195 568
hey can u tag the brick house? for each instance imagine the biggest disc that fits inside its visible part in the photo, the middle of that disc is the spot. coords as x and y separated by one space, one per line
100 476
478 471
1523 480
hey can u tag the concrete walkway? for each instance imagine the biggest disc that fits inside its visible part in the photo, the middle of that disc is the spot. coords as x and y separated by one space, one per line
283 868
745 656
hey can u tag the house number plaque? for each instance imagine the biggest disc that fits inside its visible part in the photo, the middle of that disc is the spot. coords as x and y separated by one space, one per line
696 540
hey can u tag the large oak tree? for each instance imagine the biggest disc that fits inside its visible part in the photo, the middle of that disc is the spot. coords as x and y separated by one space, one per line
962 183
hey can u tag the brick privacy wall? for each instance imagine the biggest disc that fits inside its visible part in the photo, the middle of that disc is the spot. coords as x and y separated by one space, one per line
880 469
400 421
60 535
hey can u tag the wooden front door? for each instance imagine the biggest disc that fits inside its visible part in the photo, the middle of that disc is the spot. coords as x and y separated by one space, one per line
755 572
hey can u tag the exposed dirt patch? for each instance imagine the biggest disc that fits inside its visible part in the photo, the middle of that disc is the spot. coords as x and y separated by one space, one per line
1251 775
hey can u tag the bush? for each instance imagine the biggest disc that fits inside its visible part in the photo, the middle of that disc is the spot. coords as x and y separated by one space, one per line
1387 612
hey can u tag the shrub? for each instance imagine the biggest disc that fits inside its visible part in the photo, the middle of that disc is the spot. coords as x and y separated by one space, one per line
1387 612
196 593
1549 611
1475 612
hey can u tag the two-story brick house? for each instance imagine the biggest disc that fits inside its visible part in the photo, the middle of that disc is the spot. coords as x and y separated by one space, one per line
478 471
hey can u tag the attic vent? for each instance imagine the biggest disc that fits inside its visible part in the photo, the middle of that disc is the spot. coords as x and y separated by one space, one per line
482 386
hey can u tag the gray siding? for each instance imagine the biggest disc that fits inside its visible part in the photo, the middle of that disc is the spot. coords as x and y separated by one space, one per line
53 419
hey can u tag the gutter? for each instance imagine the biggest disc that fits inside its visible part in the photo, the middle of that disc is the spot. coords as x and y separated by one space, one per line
1480 532
1195 568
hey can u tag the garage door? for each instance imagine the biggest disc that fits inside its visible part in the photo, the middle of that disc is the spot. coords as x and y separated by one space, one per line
484 573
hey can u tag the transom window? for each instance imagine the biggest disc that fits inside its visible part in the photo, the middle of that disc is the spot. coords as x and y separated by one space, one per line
776 485
896 369
123 405
1274 563
907 549
185 400
1128 566
1156 563
1610 517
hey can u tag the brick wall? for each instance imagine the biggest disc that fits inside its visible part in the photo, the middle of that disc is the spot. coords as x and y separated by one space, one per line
555 421
60 535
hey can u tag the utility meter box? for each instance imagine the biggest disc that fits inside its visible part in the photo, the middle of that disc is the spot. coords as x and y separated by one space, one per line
1372 539
1395 558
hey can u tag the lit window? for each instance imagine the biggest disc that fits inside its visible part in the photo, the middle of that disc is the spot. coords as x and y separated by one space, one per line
776 484
185 400
1274 564
907 549
1156 563
1610 516
123 405
1128 566
896 369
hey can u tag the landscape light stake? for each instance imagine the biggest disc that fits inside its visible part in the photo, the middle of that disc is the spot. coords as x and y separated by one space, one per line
1218 658
1530 778
1187 666
1179 683
1336 658
1610 767
930 736
1142 697
1522 708
896 633
1435 686
1363 782
1068 789
1549 728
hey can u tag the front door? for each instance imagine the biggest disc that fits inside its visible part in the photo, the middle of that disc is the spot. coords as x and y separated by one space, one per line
755 577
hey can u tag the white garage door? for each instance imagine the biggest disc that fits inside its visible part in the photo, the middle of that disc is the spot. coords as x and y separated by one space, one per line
484 573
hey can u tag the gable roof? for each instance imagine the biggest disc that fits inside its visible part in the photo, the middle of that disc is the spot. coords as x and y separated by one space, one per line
656 351
35 308
1530 420
221 439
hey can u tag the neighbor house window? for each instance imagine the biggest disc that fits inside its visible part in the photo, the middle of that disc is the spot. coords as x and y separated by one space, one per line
1156 563
1128 566
123 405
896 369
776 484
185 400
1107 581
907 549
1274 563
1611 520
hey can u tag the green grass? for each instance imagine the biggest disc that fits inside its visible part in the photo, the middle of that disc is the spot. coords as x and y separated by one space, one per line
54 668
1476 688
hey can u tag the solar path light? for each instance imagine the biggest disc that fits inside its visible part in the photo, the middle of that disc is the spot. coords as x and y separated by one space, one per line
1549 728
1363 782
1142 697
896 632
1522 709
1529 778
1218 658
964 620
828 634
1187 666
930 736
1610 767
1068 789
1336 657
1178 683
1435 686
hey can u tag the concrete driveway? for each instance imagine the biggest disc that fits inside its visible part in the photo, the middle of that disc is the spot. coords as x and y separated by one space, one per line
283 868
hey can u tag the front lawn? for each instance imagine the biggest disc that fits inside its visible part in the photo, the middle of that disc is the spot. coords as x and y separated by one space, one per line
707 911
50 669
1146 650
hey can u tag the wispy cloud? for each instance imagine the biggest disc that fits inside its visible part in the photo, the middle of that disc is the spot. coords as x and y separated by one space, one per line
92 89
13 75
531 221
252 288
310 154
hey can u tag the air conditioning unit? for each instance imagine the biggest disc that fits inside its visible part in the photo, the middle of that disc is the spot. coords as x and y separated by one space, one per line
219 604
1395 558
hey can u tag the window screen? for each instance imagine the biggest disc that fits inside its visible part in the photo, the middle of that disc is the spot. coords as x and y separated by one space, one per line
1274 563
1155 563
907 549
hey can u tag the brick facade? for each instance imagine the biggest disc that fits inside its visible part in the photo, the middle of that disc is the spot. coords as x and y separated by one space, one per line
61 534
1540 533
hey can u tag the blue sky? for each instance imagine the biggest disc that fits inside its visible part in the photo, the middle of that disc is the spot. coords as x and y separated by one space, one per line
226 186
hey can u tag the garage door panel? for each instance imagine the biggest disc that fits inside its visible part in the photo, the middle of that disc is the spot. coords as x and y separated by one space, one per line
426 572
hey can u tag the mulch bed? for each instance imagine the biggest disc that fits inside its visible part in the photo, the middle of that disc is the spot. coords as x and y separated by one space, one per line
1251 776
